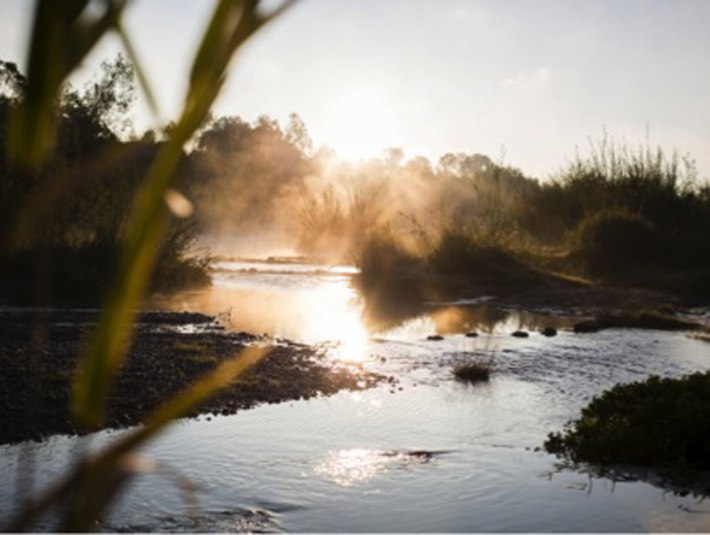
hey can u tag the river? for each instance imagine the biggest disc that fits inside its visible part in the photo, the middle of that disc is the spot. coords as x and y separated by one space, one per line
429 454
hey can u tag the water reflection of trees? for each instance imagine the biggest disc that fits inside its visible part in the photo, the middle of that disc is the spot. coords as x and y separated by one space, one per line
381 313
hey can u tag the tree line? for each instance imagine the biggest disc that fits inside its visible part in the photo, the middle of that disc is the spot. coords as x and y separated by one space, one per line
617 208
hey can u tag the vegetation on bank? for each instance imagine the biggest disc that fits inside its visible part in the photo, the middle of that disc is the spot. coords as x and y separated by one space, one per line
64 224
637 319
618 215
662 423
623 217
90 208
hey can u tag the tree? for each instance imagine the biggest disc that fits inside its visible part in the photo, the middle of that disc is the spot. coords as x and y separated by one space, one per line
12 82
81 226
297 135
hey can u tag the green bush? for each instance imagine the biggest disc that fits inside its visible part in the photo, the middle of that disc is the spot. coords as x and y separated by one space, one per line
456 252
614 240
658 422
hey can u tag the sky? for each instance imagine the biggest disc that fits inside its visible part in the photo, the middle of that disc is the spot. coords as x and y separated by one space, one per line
525 82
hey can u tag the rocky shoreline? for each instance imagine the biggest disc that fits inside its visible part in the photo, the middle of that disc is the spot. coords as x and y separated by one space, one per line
38 355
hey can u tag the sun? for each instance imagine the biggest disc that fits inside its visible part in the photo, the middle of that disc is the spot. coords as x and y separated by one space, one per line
360 123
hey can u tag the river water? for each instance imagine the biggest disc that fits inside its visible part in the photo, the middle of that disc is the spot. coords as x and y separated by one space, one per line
429 454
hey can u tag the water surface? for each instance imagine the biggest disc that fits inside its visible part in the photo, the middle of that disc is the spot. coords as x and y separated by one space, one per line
429 454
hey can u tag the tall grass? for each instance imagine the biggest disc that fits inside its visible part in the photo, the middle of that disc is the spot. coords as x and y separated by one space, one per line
628 207
643 180
476 371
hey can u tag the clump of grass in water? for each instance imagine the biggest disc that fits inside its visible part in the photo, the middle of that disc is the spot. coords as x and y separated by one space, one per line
473 372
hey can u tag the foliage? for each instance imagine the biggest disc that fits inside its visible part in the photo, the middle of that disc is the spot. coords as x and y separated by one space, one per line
613 241
76 209
658 422
457 252
249 174
611 215
487 197
321 217
644 319
339 220
666 205
643 180
382 253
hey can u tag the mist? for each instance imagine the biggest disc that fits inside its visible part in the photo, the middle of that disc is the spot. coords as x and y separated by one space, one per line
262 190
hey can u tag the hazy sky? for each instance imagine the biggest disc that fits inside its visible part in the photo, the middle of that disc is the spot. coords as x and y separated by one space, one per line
531 78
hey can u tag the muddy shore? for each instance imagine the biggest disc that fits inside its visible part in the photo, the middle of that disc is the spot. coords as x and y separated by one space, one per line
38 355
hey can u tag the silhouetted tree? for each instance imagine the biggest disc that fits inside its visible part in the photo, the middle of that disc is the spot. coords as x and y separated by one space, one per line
91 179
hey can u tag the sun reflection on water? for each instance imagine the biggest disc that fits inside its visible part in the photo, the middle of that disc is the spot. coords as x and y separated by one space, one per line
311 308
349 467
333 315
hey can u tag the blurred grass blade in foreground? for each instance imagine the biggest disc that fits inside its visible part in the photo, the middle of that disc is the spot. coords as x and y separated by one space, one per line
85 493
64 32
232 23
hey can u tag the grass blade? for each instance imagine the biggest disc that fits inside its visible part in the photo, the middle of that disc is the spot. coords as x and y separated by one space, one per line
91 486
233 22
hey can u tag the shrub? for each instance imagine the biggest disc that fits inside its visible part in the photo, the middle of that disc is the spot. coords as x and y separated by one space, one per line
456 252
641 179
644 319
613 240
657 422
381 254
393 281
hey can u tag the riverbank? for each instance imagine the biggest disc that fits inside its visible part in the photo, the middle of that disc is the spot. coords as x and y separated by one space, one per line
460 267
38 354
392 300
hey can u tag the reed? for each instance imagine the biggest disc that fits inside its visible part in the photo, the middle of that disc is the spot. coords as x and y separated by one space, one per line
62 36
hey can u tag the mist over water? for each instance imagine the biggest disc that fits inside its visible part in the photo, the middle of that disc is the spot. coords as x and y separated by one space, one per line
263 191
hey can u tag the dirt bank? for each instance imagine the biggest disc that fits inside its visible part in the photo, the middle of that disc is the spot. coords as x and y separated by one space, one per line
38 354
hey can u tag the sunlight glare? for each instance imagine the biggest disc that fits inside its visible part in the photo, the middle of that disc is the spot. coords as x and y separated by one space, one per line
360 124
334 316
348 467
